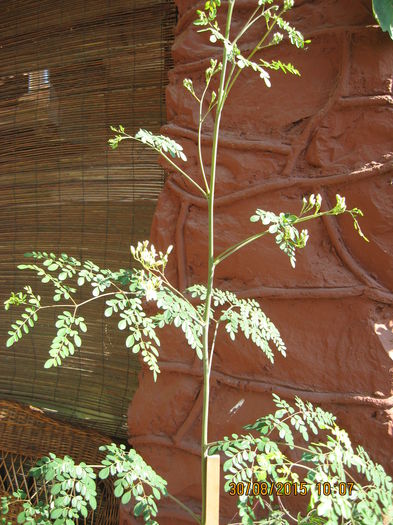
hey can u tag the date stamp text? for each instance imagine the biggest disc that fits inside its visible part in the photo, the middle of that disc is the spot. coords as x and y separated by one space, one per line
262 488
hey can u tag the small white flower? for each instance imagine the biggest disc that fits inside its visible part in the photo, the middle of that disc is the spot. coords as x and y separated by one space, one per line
149 257
150 291
341 205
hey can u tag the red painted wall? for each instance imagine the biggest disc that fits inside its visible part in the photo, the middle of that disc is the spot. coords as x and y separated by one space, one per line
329 132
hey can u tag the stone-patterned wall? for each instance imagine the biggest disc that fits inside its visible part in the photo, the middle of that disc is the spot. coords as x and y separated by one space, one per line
329 132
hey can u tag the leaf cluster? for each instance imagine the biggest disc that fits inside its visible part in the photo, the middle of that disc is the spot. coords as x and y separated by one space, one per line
283 225
67 491
5 502
67 338
148 284
71 488
65 267
134 479
28 318
244 315
264 456
159 143
208 14
142 329
287 236
179 312
272 13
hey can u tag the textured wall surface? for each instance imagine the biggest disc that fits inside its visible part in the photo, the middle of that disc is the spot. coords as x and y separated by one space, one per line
330 132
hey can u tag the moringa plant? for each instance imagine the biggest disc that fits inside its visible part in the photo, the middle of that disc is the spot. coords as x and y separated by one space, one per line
275 458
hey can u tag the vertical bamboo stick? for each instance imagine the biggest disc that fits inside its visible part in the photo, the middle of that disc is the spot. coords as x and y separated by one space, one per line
213 490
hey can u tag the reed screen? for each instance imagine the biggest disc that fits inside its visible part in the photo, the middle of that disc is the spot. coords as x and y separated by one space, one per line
68 70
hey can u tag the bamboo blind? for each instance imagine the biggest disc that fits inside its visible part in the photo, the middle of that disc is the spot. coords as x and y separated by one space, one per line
68 70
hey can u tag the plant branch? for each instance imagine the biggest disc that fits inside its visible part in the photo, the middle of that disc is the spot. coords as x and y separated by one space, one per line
78 305
184 507
284 509
232 249
169 160
257 48
198 318
201 120
182 172
213 346
248 24
211 265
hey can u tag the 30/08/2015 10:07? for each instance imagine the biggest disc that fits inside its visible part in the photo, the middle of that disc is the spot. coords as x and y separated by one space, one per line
262 488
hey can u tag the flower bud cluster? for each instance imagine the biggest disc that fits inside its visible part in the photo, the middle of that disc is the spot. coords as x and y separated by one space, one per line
150 284
149 257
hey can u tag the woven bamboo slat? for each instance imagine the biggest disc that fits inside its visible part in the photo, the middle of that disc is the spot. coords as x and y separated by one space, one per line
68 70
26 434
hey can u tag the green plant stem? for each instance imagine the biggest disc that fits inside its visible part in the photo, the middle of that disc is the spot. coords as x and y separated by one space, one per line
173 164
78 305
184 507
198 318
75 305
245 28
232 249
284 509
231 80
201 119
247 25
182 172
211 266
213 345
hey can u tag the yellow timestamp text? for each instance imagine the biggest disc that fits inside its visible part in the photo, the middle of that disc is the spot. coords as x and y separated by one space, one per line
262 488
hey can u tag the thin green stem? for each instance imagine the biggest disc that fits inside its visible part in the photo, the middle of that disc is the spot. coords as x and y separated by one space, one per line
201 119
198 319
209 110
170 161
232 249
230 76
210 276
255 50
78 305
284 509
213 345
184 507
245 28
182 172
248 24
